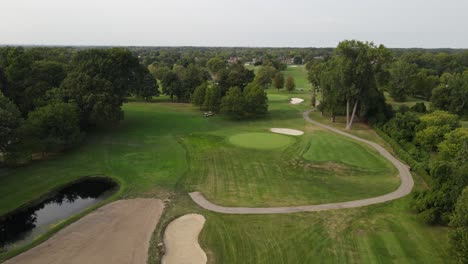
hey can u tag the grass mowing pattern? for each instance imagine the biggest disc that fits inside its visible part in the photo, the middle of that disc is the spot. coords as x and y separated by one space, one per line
236 176
325 147
260 140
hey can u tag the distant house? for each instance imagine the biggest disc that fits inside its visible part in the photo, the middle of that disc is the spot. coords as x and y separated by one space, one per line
234 59
287 60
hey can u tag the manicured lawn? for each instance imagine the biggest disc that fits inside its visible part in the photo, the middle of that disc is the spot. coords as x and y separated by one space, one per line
326 147
165 150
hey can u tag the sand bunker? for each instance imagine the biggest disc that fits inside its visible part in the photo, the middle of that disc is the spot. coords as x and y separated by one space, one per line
296 100
287 131
181 240
115 233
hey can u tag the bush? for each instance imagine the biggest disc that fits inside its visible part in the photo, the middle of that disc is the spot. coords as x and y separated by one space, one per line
419 107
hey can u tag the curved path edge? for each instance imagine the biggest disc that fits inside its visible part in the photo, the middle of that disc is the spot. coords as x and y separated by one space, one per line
404 189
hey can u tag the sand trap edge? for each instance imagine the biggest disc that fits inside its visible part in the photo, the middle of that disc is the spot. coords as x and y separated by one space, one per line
296 100
287 131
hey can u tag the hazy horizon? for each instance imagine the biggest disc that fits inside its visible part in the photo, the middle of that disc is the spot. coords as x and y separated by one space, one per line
228 23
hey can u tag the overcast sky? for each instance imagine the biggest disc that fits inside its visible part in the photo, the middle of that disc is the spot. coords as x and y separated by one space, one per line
272 23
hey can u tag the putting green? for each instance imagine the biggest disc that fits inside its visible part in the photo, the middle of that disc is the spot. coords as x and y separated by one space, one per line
260 140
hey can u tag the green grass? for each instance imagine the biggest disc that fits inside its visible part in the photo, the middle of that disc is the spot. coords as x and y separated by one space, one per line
245 177
326 147
299 73
165 150
257 140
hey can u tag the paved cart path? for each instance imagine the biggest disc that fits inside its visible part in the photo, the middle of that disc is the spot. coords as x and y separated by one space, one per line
403 190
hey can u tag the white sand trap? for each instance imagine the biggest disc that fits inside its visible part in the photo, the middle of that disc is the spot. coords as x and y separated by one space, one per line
181 240
287 131
296 100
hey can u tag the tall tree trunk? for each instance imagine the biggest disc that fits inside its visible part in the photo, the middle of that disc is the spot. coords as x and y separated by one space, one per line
347 112
348 127
333 118
313 99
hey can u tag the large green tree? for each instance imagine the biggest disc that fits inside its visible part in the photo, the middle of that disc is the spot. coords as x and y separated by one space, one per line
198 96
256 100
331 85
314 72
233 103
236 75
452 93
402 77
215 65
359 62
290 84
212 98
265 75
10 122
53 127
95 97
278 80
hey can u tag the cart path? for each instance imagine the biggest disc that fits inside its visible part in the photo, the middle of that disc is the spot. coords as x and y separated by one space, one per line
404 189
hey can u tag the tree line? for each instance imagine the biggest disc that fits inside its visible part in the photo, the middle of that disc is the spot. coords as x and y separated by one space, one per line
49 98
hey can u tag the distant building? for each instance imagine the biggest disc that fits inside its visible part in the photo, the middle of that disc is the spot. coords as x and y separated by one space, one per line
287 60
234 59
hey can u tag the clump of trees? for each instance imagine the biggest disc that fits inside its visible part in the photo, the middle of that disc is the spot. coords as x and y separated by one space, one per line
237 103
452 93
349 81
49 98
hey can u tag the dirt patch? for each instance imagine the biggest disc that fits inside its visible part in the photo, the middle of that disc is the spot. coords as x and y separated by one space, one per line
287 131
181 240
296 100
115 233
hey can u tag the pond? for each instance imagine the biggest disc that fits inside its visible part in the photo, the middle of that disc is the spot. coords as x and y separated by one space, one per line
23 225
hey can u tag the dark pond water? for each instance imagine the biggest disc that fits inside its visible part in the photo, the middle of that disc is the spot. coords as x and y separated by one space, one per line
22 226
